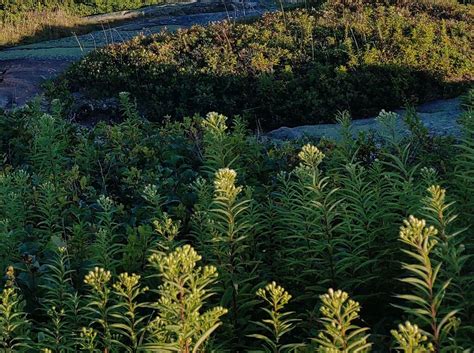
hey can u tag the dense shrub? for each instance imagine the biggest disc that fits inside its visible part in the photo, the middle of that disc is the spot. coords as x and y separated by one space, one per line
103 232
291 67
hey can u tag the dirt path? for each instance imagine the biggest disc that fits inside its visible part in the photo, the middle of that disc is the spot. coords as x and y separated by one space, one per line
24 68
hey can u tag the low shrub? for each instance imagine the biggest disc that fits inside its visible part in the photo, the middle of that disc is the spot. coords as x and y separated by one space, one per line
292 67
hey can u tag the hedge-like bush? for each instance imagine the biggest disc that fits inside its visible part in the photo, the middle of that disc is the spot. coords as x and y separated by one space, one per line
292 67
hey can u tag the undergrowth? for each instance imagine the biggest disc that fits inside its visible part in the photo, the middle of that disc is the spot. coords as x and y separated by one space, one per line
197 236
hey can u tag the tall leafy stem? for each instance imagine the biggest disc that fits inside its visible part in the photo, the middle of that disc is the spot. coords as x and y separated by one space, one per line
363 213
49 146
14 324
51 205
181 324
325 221
61 304
106 246
228 232
14 213
278 323
129 321
224 148
424 302
451 251
340 333
99 308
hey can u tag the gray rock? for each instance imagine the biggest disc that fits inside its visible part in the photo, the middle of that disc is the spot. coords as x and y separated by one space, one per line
22 79
286 133
439 117
88 111
4 101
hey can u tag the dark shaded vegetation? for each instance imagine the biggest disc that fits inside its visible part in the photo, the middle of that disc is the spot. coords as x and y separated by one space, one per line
292 67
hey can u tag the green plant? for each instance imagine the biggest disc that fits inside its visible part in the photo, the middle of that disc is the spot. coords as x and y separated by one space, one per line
14 325
224 240
222 149
15 212
450 249
411 340
309 213
51 203
126 312
278 322
99 308
87 340
48 146
364 212
61 305
106 246
339 333
181 324
307 210
465 159
427 295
